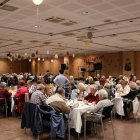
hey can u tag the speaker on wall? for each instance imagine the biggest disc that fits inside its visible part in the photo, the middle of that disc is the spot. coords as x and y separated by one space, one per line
98 66
83 69
64 67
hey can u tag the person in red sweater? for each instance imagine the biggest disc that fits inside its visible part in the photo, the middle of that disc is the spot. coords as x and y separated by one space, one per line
92 97
19 96
5 94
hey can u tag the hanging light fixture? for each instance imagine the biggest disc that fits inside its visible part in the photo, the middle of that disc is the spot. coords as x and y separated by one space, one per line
56 56
73 55
38 59
43 59
37 2
30 60
51 60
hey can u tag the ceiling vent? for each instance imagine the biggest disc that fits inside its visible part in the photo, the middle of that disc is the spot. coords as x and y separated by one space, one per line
8 8
55 19
129 40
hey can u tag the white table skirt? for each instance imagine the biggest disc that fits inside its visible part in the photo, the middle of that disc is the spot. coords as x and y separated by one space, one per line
118 104
75 116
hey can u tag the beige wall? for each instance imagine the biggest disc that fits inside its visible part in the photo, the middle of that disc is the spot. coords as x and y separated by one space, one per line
113 64
137 64
43 66
6 66
128 57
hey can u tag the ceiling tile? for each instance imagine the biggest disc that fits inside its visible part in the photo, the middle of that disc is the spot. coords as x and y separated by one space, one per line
103 7
57 2
123 2
98 16
132 8
114 12
90 2
72 7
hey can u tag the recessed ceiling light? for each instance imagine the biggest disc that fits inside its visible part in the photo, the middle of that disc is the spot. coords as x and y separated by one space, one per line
85 12
37 26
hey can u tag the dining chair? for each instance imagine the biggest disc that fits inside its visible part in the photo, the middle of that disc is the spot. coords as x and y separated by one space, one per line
4 104
100 119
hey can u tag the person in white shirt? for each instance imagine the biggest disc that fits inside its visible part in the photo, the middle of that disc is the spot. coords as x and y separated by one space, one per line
62 81
122 88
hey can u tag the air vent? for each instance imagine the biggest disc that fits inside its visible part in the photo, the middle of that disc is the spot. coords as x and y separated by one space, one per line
81 37
9 8
69 34
69 23
107 20
55 19
91 29
46 43
2 2
129 40
34 41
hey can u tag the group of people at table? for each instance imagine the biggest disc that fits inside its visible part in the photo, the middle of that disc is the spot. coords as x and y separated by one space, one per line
71 97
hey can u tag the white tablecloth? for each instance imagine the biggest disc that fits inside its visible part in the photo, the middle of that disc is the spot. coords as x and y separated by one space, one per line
12 99
75 116
136 108
118 104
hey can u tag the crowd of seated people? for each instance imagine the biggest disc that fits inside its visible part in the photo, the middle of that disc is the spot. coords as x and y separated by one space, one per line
42 87
56 90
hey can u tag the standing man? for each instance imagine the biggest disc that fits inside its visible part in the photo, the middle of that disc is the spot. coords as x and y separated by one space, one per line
62 81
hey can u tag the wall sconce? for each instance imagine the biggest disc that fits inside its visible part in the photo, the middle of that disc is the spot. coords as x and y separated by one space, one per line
51 60
38 59
30 60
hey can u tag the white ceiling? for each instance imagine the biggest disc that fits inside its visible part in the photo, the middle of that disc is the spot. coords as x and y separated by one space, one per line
115 25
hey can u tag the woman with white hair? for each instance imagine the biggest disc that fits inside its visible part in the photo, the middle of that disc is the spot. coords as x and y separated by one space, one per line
79 93
129 98
104 102
122 88
92 96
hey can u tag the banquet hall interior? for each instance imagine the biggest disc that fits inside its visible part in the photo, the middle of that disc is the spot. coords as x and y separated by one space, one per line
63 63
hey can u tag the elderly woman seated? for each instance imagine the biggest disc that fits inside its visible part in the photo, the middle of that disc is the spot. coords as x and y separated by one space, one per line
122 88
98 108
79 93
103 102
92 95
108 88
127 99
